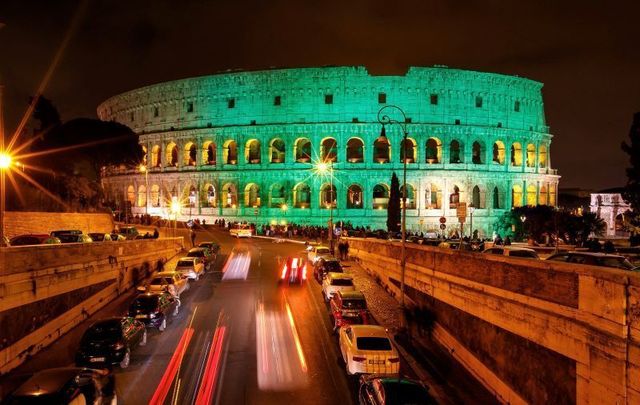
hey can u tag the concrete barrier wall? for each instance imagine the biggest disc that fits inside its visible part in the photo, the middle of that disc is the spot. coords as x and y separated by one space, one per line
47 290
531 331
18 222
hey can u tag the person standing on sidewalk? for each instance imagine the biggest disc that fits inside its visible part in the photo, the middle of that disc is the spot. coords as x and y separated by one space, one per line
192 234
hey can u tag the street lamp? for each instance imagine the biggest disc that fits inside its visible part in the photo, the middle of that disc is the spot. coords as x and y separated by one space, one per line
143 169
471 209
384 119
523 218
5 164
175 209
326 168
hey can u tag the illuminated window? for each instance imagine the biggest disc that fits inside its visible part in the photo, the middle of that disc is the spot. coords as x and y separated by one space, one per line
329 150
516 196
408 148
433 99
411 200
328 98
434 197
354 196
328 196
355 151
516 154
231 103
301 196
380 196
478 102
277 100
382 98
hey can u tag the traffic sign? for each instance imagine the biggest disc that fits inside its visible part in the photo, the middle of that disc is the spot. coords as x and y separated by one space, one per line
443 226
190 223
461 210
443 220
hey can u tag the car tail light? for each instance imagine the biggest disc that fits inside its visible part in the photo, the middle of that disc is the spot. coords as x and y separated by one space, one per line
118 346
284 272
393 360
359 359
304 272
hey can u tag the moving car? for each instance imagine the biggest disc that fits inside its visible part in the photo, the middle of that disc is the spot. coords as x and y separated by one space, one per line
190 267
100 237
213 247
241 231
66 385
375 390
512 252
348 308
110 342
153 309
203 253
33 239
324 266
319 252
294 271
335 282
367 349
168 281
594 259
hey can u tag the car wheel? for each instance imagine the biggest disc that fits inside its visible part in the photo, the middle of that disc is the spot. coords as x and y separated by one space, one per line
163 325
126 360
143 341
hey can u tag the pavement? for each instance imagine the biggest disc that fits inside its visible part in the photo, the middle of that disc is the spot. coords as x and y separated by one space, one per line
240 338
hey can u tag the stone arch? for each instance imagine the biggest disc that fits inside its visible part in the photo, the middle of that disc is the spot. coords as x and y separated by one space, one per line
516 195
411 196
252 152
355 150
434 196
531 155
156 156
542 156
531 195
456 196
456 152
190 153
142 196
301 196
329 150
354 196
380 196
209 196
542 199
191 196
410 147
328 195
252 195
381 151
516 154
477 153
433 151
498 152
230 152
209 153
302 150
131 194
477 197
154 195
277 195
277 151
497 198
229 195
172 155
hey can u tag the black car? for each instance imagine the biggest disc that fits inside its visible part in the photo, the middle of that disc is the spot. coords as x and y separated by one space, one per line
392 391
324 266
67 385
110 342
213 247
154 309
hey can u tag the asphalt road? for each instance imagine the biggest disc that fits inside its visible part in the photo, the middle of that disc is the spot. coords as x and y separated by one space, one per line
239 338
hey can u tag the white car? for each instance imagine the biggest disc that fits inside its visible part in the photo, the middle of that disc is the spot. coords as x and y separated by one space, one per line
241 231
318 252
367 349
335 282
512 252
169 281
190 267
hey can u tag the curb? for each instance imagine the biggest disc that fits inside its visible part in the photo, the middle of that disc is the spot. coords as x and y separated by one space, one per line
300 242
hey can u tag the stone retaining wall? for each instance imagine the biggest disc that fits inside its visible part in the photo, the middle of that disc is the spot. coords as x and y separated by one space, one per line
19 222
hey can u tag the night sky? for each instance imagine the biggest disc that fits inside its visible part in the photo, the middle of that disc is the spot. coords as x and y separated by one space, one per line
587 54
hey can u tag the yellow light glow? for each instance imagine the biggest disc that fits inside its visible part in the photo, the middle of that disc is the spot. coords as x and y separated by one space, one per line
5 160
322 167
143 168
175 205
284 207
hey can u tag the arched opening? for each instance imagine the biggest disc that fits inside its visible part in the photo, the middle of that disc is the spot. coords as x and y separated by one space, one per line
542 199
381 151
619 226
498 152
542 156
230 152
477 153
302 196
516 196
355 150
189 157
209 153
252 195
142 196
252 152
516 154
408 149
380 196
192 197
276 196
552 195
531 195
497 199
455 152
455 197
210 196
531 155
354 196
172 155
302 150
155 195
329 150
477 198
229 196
156 156
131 195
434 197
433 153
328 196
277 151
410 197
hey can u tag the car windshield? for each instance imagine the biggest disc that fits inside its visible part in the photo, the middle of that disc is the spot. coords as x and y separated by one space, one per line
68 238
342 282
522 253
146 302
185 263
354 304
322 251
162 281
618 262
373 343
333 267
198 253
104 331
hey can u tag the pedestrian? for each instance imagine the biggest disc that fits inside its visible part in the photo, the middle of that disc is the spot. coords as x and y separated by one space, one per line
507 241
346 250
156 234
192 233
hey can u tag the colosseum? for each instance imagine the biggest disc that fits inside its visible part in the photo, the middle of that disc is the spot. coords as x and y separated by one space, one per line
247 146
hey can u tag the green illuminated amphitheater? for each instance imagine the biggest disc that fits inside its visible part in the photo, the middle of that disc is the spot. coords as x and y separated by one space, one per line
246 145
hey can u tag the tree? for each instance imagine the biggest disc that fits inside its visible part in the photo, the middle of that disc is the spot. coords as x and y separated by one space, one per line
631 191
393 207
46 113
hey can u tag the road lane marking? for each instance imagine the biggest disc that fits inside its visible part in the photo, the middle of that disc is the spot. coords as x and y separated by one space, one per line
208 385
296 338
163 388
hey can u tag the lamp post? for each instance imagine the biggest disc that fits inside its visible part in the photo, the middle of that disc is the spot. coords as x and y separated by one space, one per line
175 209
5 164
143 169
384 120
324 168
471 209
523 218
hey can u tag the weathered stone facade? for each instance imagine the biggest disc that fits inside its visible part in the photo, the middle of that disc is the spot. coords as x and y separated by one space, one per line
243 145
611 208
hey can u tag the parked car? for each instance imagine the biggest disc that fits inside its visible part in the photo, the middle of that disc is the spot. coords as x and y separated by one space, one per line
66 385
318 252
294 271
335 282
594 259
512 251
241 231
65 232
154 309
110 342
348 308
202 253
100 237
213 247
33 239
190 267
129 232
74 238
116 237
324 266
367 349
376 390
168 281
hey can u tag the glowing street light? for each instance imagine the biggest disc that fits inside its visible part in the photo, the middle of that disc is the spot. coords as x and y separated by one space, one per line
324 168
5 160
5 163
284 207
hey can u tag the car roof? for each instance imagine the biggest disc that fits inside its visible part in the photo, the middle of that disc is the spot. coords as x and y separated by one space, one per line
517 248
369 331
592 254
352 295
322 247
167 273
47 381
197 249
187 258
340 275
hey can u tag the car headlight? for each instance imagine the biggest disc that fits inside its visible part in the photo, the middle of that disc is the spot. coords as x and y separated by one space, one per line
152 316
118 346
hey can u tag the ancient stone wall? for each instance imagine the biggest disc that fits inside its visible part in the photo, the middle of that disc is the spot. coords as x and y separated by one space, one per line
19 222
